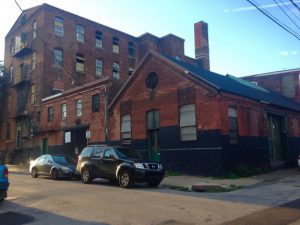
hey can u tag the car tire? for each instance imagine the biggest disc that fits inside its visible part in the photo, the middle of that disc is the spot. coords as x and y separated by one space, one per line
125 179
54 174
1 200
86 176
153 183
34 172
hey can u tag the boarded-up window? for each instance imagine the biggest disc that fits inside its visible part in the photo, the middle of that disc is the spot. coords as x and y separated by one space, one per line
188 130
126 129
253 123
152 120
288 86
233 125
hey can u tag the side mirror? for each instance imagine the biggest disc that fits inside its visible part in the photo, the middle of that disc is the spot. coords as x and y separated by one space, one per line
111 157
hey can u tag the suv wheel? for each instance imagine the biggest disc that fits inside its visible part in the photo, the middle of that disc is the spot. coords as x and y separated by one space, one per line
125 179
54 174
34 173
153 183
86 176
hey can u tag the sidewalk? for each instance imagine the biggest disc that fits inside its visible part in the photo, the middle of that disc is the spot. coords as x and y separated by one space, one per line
188 182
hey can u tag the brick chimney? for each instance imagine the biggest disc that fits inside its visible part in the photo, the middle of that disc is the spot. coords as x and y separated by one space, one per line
201 44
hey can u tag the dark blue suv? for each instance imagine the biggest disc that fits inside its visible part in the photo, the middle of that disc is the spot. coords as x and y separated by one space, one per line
118 164
3 182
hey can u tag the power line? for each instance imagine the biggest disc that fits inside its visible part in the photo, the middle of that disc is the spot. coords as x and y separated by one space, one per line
286 14
291 11
283 26
294 4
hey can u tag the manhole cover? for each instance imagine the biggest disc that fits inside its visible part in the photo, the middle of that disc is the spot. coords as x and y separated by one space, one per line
13 218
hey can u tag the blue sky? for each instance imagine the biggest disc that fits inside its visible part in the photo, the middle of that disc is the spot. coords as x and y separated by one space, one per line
242 40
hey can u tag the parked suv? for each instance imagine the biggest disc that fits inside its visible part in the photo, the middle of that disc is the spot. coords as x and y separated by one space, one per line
117 164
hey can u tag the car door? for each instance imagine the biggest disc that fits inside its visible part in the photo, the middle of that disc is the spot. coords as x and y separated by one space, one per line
96 161
40 164
109 163
47 165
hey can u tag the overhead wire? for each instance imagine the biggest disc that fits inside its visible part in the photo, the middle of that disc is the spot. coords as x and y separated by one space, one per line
294 4
291 11
275 20
279 5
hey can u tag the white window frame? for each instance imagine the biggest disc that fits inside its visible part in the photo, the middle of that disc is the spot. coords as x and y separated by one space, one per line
116 45
80 33
59 26
99 68
80 63
63 111
78 107
126 129
188 131
58 57
98 39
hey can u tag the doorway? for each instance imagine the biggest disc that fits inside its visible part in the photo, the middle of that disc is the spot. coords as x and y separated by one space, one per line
277 134
44 149
153 136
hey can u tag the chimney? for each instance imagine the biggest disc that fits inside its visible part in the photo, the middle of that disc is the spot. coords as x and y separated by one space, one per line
201 44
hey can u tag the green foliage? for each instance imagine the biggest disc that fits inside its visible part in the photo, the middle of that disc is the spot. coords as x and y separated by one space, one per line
170 173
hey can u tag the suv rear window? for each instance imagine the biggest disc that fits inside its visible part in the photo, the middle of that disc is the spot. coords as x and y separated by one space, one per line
86 152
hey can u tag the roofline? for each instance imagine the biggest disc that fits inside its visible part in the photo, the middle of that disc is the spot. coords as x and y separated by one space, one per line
272 73
149 53
76 89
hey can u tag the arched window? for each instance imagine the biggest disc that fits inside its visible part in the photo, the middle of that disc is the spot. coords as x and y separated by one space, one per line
188 130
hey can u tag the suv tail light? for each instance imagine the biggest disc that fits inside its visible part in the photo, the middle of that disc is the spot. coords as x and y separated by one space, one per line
5 173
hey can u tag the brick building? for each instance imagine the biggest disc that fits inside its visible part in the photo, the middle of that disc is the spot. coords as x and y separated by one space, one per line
76 82
49 50
197 121
285 82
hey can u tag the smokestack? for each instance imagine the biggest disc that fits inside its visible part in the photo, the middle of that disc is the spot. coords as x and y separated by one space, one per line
201 44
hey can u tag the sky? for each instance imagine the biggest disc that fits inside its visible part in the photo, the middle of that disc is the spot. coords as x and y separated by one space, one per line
242 40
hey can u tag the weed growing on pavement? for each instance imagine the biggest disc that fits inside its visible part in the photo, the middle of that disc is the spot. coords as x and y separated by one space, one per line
170 173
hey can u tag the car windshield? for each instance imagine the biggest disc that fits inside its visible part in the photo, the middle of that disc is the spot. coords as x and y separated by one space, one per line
62 159
124 153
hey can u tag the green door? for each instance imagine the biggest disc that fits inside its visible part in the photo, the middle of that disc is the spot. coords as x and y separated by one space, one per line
44 149
277 137
152 136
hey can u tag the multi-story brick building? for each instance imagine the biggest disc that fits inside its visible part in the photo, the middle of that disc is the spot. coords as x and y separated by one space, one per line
285 82
77 82
49 50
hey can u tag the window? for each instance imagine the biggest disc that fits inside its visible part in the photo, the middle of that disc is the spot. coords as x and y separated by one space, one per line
233 125
80 33
19 136
78 108
63 111
33 61
80 63
109 153
58 57
116 47
188 130
99 65
50 114
95 103
34 27
98 36
8 131
126 129
130 71
32 94
131 50
59 26
116 71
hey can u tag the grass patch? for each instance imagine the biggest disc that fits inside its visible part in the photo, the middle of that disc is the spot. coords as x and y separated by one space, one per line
170 173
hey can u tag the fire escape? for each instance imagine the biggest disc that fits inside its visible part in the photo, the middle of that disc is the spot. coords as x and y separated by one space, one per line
22 85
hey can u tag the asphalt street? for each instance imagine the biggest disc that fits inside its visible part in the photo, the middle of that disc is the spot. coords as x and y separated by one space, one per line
45 201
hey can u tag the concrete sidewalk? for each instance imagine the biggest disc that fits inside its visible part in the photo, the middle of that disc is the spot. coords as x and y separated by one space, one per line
187 181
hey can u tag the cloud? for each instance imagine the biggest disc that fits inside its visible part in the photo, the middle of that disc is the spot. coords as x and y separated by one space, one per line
285 53
249 8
